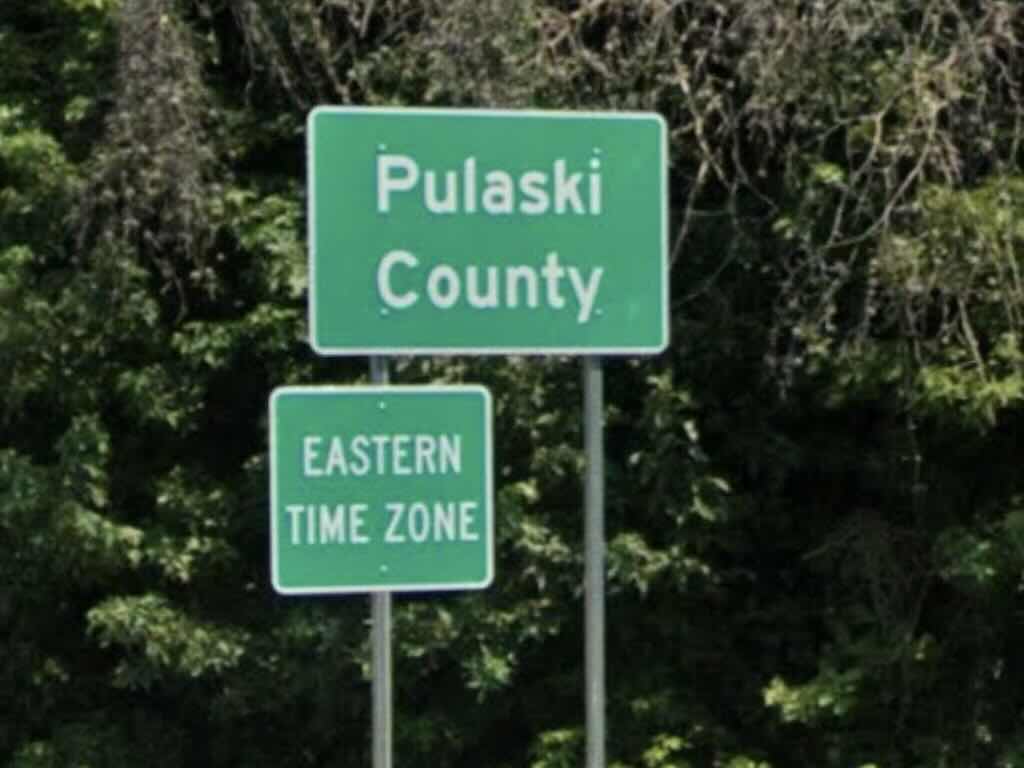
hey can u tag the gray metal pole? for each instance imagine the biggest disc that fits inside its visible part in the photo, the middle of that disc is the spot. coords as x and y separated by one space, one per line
593 560
380 615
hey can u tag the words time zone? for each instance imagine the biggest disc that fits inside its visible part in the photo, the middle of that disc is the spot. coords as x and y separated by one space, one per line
405 522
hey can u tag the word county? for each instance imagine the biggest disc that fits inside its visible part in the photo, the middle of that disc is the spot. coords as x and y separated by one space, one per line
403 281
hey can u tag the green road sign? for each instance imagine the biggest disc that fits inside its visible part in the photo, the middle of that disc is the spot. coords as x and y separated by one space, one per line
487 232
380 489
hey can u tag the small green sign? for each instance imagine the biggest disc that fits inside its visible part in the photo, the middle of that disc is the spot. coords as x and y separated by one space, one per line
380 489
487 232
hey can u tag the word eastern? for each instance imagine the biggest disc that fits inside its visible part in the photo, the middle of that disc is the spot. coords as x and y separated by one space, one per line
399 454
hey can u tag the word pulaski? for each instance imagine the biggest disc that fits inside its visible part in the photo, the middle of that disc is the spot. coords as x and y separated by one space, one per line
498 192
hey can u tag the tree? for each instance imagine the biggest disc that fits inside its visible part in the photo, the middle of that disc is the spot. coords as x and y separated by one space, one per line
815 510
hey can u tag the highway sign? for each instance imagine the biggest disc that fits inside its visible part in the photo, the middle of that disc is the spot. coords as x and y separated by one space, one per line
487 232
381 489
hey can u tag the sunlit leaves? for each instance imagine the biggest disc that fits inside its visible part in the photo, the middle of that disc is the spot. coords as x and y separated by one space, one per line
34 175
269 229
161 642
829 578
831 694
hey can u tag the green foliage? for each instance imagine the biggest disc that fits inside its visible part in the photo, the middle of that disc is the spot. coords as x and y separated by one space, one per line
162 642
831 694
33 179
96 743
665 753
557 749
815 506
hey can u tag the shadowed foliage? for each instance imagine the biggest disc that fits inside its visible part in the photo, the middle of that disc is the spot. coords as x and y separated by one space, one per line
815 504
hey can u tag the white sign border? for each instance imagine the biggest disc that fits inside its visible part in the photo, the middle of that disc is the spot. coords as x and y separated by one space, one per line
388 390
354 350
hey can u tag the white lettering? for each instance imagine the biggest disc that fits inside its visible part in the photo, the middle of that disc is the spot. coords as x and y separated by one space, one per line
332 526
595 187
553 274
392 536
460 189
361 465
450 203
567 189
499 194
517 285
532 184
586 293
419 522
388 183
446 297
488 300
516 275
444 521
469 184
357 522
393 300
310 443
381 442
336 463
295 510
324 525
451 454
426 447
400 455
467 521
382 454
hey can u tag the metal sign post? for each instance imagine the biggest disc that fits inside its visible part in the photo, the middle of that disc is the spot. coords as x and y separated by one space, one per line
383 696
593 559
380 614
573 210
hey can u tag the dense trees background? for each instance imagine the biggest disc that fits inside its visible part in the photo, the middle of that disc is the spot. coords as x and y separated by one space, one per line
816 507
